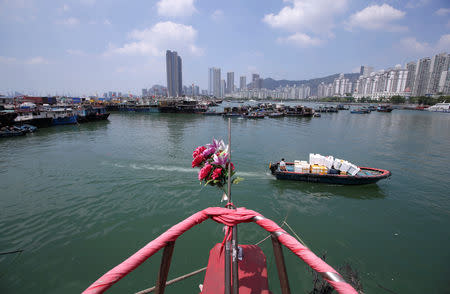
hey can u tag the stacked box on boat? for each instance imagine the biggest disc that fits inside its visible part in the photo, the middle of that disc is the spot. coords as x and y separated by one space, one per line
337 163
345 166
328 161
301 166
322 164
318 169
353 170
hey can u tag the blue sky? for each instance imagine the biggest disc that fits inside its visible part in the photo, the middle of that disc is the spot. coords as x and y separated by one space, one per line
92 46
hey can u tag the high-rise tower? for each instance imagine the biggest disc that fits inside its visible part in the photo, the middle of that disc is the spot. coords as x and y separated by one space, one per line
230 82
214 86
421 77
174 74
243 83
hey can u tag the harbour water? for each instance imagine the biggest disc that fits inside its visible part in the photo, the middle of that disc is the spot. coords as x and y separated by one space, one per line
80 199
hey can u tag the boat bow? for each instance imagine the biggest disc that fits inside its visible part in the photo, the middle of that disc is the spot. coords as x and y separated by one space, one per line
228 217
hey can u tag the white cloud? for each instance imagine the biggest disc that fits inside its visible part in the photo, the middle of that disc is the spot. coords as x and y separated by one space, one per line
71 21
377 17
304 16
217 15
176 8
413 46
36 60
443 11
310 21
66 7
301 40
156 40
107 22
444 43
416 3
75 52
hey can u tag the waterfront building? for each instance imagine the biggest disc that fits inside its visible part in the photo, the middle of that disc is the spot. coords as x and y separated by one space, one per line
187 90
366 70
243 83
421 77
210 80
230 82
382 84
342 86
411 68
223 85
214 83
444 83
174 74
439 63
324 90
256 81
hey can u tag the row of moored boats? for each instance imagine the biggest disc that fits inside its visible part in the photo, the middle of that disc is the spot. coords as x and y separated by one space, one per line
27 117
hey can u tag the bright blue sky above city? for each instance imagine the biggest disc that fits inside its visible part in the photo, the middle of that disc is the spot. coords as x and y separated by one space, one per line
92 46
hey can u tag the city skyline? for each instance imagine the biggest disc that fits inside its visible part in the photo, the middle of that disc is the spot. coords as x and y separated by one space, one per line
87 47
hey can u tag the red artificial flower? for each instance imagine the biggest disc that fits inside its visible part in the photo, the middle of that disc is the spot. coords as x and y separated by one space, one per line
197 160
198 151
232 166
204 172
216 173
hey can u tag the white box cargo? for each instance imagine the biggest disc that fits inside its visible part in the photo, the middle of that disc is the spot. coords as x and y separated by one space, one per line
353 170
337 163
328 161
345 166
314 158
305 168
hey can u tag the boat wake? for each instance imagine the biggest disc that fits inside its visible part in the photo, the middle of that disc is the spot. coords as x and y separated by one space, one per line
168 168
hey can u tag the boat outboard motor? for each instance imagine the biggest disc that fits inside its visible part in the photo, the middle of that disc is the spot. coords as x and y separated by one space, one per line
273 167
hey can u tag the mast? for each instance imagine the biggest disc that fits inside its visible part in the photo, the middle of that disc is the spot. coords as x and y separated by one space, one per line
234 245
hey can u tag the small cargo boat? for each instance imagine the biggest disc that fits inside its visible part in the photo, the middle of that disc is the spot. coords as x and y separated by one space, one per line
366 175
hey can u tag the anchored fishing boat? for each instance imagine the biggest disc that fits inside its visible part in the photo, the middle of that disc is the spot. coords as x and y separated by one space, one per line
384 108
232 267
360 110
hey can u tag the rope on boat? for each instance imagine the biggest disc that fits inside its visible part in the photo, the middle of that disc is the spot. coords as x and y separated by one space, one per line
228 217
295 234
149 290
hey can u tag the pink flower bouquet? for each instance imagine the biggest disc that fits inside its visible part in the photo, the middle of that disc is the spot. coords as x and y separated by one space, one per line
213 161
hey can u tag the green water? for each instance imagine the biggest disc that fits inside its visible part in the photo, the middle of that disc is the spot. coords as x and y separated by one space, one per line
80 199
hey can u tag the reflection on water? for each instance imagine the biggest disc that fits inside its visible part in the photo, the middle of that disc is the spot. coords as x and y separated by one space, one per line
372 191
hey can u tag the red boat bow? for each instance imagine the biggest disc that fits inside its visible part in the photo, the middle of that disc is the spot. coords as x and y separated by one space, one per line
228 217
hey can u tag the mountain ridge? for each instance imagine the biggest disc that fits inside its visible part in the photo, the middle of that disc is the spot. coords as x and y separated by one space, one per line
272 84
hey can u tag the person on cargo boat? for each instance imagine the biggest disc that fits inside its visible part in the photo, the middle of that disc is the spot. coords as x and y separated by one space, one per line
282 165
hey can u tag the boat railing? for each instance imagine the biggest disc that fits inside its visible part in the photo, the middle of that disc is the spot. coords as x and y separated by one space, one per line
230 218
